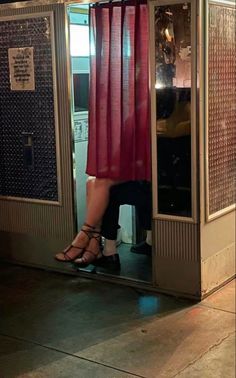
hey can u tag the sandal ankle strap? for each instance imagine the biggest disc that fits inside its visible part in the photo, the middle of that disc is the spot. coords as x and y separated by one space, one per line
91 228
90 233
88 225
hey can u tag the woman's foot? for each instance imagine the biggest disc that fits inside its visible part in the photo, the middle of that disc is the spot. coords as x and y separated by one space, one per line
70 253
76 249
91 253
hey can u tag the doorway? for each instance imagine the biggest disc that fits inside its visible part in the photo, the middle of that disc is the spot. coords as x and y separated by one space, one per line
134 266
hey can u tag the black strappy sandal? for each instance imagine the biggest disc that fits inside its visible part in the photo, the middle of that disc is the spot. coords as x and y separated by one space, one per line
64 257
89 255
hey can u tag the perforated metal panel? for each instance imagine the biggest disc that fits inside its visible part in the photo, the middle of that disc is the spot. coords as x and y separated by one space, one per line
28 112
222 107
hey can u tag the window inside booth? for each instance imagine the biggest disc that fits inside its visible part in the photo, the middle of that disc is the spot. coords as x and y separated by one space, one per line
81 91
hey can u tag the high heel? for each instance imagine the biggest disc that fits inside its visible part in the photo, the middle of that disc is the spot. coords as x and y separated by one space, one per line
64 255
91 253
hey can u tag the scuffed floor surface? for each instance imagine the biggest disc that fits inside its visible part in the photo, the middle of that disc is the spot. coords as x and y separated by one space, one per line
54 325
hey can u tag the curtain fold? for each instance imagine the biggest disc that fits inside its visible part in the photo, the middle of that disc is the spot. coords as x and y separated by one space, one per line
119 114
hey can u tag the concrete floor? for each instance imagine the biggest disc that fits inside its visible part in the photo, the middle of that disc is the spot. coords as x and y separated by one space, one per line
53 325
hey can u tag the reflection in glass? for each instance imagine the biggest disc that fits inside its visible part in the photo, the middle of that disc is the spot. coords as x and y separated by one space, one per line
173 108
81 47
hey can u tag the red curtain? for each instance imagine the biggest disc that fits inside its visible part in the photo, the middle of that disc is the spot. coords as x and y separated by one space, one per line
119 117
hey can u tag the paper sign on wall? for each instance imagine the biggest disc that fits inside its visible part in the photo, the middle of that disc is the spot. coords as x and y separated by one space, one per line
21 65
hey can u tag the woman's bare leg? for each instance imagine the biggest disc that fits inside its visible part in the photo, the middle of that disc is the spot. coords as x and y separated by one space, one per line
97 200
98 192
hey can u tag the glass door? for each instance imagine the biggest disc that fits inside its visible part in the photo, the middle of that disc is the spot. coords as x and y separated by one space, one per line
173 104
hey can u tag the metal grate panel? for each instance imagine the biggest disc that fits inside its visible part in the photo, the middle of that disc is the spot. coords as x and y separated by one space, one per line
222 107
28 112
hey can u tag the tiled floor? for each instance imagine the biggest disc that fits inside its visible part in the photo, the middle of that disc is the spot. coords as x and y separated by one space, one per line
54 325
